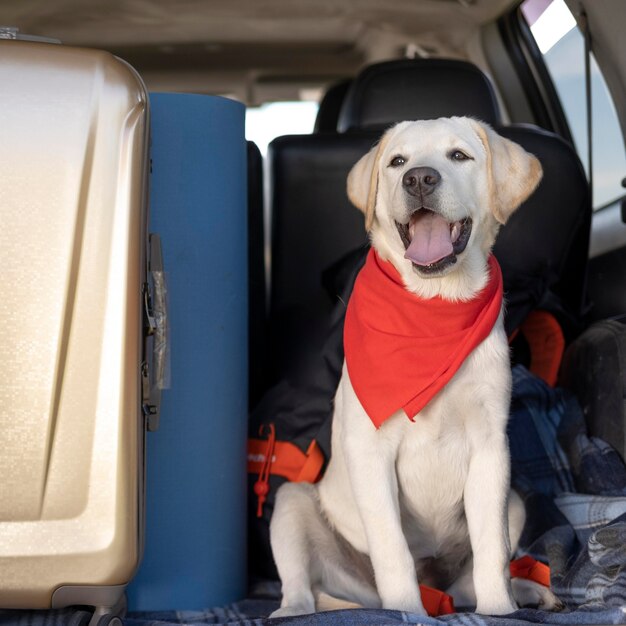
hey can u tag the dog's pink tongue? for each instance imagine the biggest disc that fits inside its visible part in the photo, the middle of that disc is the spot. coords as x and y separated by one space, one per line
430 238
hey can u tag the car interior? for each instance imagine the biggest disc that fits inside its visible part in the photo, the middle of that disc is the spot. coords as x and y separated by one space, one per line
365 66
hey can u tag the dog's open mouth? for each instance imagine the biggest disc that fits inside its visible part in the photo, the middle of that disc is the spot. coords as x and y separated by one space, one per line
432 243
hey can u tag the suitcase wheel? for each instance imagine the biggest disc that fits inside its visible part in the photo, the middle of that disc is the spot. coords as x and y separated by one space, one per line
80 618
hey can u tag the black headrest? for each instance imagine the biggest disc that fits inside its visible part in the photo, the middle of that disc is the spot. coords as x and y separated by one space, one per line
411 89
330 106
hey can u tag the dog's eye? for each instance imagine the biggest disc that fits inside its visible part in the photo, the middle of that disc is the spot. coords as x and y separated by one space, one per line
397 161
458 155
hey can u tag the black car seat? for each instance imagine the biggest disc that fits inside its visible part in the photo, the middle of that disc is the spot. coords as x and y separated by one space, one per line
314 224
330 106
543 249
544 246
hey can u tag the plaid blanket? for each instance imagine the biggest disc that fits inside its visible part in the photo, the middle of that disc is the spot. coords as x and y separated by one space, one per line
574 487
575 492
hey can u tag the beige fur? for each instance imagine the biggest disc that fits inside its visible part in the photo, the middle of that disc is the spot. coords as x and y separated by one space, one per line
427 501
365 178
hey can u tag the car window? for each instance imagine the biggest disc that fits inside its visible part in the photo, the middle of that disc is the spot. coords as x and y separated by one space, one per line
562 46
265 123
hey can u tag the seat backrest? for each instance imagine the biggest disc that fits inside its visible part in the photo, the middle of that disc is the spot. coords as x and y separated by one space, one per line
313 222
330 107
546 242
417 89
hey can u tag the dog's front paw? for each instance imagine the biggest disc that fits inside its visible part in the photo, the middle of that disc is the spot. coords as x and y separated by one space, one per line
406 604
298 601
530 593
416 609
502 604
291 611
495 597
400 593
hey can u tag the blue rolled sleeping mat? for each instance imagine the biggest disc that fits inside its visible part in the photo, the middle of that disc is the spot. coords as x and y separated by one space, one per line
195 553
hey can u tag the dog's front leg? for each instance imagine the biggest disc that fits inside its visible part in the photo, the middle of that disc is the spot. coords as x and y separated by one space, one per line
370 458
376 494
486 494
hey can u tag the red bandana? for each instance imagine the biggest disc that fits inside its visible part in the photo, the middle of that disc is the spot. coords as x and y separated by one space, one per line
401 349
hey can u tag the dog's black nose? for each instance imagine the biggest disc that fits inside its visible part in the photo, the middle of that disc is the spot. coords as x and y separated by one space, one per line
421 179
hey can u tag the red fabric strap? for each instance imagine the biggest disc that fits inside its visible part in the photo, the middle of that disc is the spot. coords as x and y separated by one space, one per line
531 569
401 349
282 458
287 460
547 344
436 602
439 603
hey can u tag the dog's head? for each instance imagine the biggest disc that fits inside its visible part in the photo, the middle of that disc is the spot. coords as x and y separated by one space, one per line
434 194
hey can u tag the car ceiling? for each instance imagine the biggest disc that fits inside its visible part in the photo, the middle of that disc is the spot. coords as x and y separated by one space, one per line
255 50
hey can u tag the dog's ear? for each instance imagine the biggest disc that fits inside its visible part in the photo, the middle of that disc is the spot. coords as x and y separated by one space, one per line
363 181
513 173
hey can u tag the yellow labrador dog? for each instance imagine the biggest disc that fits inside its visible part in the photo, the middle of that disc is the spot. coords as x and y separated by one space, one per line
424 501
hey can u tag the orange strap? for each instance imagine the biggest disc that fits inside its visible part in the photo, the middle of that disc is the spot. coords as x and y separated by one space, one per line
439 603
282 458
262 485
436 602
547 343
531 569
287 460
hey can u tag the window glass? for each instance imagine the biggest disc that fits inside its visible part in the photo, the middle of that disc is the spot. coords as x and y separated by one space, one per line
265 123
562 46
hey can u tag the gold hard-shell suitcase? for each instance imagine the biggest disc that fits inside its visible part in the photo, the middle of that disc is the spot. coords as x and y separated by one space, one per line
73 279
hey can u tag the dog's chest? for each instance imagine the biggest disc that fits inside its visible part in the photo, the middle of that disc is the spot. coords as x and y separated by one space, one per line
431 466
433 458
